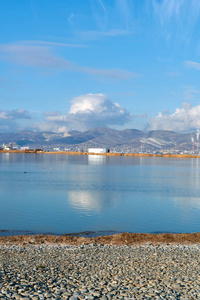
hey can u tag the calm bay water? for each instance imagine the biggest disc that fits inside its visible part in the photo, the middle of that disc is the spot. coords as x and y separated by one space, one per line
44 193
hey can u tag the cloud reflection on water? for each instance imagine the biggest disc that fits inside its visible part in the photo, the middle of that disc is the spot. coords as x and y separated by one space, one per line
86 201
90 202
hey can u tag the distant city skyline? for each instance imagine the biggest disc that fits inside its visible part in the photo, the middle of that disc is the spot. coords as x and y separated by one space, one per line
67 65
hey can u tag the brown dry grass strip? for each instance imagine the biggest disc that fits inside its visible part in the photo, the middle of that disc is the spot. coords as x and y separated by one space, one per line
116 239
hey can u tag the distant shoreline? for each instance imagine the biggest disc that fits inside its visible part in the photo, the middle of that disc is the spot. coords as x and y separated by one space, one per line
35 151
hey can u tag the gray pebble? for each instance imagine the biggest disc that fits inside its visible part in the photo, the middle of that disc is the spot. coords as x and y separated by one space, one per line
99 272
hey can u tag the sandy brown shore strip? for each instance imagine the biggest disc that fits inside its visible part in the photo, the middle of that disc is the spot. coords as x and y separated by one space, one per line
102 154
116 239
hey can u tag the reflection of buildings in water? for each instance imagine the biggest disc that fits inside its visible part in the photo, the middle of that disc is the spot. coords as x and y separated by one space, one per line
94 200
195 162
91 201
5 157
76 159
187 203
97 159
195 170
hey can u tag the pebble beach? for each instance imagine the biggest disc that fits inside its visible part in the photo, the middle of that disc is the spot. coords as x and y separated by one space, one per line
99 271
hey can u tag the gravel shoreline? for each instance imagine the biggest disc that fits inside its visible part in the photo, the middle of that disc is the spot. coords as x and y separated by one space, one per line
99 271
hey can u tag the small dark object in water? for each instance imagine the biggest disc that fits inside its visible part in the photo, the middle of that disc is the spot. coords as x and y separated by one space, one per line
25 172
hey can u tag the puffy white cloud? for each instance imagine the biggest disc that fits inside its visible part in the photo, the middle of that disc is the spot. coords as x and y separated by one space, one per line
4 115
10 120
51 126
186 118
98 109
88 111
14 114
89 103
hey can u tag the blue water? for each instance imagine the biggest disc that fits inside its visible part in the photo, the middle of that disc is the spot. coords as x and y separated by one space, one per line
43 193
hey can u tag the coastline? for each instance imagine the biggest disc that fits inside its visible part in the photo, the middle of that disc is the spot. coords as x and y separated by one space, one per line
118 239
35 151
121 266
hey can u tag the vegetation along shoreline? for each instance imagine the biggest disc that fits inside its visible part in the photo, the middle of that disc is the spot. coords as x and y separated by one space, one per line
35 151
119 239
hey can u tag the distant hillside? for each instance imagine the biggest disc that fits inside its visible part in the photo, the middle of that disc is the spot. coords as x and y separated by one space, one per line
131 139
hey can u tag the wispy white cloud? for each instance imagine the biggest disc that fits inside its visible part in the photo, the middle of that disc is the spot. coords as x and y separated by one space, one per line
42 56
167 9
48 43
69 19
186 118
95 34
125 11
3 82
102 5
190 92
193 64
105 20
34 10
173 74
33 56
178 18
112 73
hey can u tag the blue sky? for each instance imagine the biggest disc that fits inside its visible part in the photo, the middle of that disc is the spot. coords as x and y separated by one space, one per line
74 64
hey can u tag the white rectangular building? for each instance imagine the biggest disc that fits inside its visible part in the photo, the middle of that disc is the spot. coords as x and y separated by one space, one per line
98 150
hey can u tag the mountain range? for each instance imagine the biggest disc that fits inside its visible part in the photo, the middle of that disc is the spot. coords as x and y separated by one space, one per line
129 139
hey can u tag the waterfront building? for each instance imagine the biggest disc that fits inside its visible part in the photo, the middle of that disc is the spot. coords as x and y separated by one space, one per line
98 150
